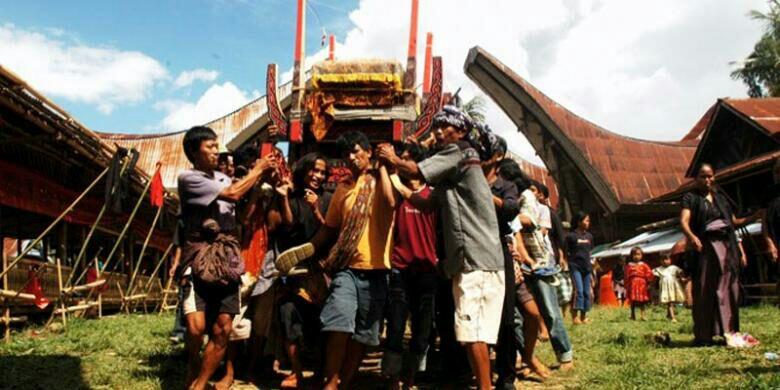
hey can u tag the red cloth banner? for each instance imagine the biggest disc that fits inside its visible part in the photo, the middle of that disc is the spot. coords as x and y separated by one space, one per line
157 190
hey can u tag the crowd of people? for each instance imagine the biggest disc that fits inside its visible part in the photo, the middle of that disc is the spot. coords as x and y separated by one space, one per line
444 233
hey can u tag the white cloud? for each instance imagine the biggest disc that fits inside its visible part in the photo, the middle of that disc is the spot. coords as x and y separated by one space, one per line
104 77
187 77
643 69
217 101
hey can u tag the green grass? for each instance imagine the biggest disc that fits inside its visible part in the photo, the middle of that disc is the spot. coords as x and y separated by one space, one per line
134 352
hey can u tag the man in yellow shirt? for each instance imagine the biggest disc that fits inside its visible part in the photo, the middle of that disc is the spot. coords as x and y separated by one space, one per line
361 216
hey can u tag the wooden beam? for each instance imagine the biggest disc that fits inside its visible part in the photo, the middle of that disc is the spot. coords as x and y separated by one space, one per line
16 294
84 287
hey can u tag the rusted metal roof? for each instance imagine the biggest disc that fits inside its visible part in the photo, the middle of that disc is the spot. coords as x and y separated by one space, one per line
634 170
701 125
83 140
761 114
763 111
759 163
167 147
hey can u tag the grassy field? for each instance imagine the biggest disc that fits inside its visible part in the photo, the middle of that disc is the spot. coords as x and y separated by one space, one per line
133 352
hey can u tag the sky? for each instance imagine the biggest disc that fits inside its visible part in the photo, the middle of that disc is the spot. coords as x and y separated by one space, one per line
646 69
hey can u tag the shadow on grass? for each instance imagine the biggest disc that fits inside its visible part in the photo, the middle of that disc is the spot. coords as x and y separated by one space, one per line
171 368
41 372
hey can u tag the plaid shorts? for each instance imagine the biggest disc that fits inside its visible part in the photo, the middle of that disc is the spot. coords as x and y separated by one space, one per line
564 289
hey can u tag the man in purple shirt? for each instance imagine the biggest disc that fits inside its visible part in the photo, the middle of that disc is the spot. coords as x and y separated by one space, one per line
208 195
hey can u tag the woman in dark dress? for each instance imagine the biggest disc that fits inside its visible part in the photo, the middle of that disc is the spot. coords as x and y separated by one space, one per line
709 225
300 305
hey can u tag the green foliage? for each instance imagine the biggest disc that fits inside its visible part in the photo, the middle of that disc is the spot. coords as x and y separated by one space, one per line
475 108
760 71
133 352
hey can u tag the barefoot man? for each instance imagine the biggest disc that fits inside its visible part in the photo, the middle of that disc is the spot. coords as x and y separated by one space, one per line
208 215
474 256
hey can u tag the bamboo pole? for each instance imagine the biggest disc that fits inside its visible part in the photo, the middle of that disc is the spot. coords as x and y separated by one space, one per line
62 302
55 222
10 294
100 293
119 239
130 285
6 306
83 249
157 268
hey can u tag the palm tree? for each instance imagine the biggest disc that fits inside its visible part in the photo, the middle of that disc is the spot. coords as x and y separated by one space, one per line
760 71
475 108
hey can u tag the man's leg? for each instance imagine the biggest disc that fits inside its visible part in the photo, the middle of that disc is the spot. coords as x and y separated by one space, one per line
227 380
196 328
422 308
371 288
180 324
292 324
506 346
479 301
547 300
338 322
531 321
588 295
480 364
352 361
397 313
336 351
215 349
579 295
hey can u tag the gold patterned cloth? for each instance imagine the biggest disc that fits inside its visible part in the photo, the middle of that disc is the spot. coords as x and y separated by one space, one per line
351 84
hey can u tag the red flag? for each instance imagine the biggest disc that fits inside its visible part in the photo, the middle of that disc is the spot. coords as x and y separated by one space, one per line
34 287
157 189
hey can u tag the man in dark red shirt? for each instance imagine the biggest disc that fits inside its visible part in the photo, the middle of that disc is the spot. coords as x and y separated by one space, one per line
412 280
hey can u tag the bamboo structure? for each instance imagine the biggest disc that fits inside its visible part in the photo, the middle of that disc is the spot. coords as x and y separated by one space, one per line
131 285
54 223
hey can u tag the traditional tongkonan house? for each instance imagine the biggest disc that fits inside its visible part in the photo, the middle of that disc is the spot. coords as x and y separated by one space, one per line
605 174
54 182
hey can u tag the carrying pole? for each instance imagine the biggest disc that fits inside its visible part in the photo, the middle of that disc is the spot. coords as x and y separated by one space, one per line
54 223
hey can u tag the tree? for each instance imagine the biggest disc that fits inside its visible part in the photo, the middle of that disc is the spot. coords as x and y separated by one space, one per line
475 108
760 71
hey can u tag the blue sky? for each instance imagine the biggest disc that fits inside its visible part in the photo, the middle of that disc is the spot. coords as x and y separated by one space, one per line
237 39
646 69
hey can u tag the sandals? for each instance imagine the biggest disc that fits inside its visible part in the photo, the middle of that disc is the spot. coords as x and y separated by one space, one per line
288 259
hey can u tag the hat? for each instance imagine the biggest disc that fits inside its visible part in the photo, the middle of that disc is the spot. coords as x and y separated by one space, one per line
452 116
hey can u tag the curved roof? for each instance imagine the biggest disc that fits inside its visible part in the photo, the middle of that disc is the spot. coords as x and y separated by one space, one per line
620 169
167 147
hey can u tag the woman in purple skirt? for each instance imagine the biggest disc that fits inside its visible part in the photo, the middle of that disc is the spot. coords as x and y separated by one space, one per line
709 225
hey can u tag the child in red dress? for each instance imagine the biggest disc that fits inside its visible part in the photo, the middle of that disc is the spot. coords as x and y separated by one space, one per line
637 277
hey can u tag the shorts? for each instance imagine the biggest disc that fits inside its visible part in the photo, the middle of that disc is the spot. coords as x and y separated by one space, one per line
522 293
212 300
300 319
356 304
264 311
564 288
479 300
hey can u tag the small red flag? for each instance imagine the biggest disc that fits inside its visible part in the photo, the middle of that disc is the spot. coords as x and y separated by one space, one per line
34 287
157 189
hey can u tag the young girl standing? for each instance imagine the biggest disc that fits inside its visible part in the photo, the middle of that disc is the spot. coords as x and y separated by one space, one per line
672 290
637 276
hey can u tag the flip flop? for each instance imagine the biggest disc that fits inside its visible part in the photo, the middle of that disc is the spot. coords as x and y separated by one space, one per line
288 259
